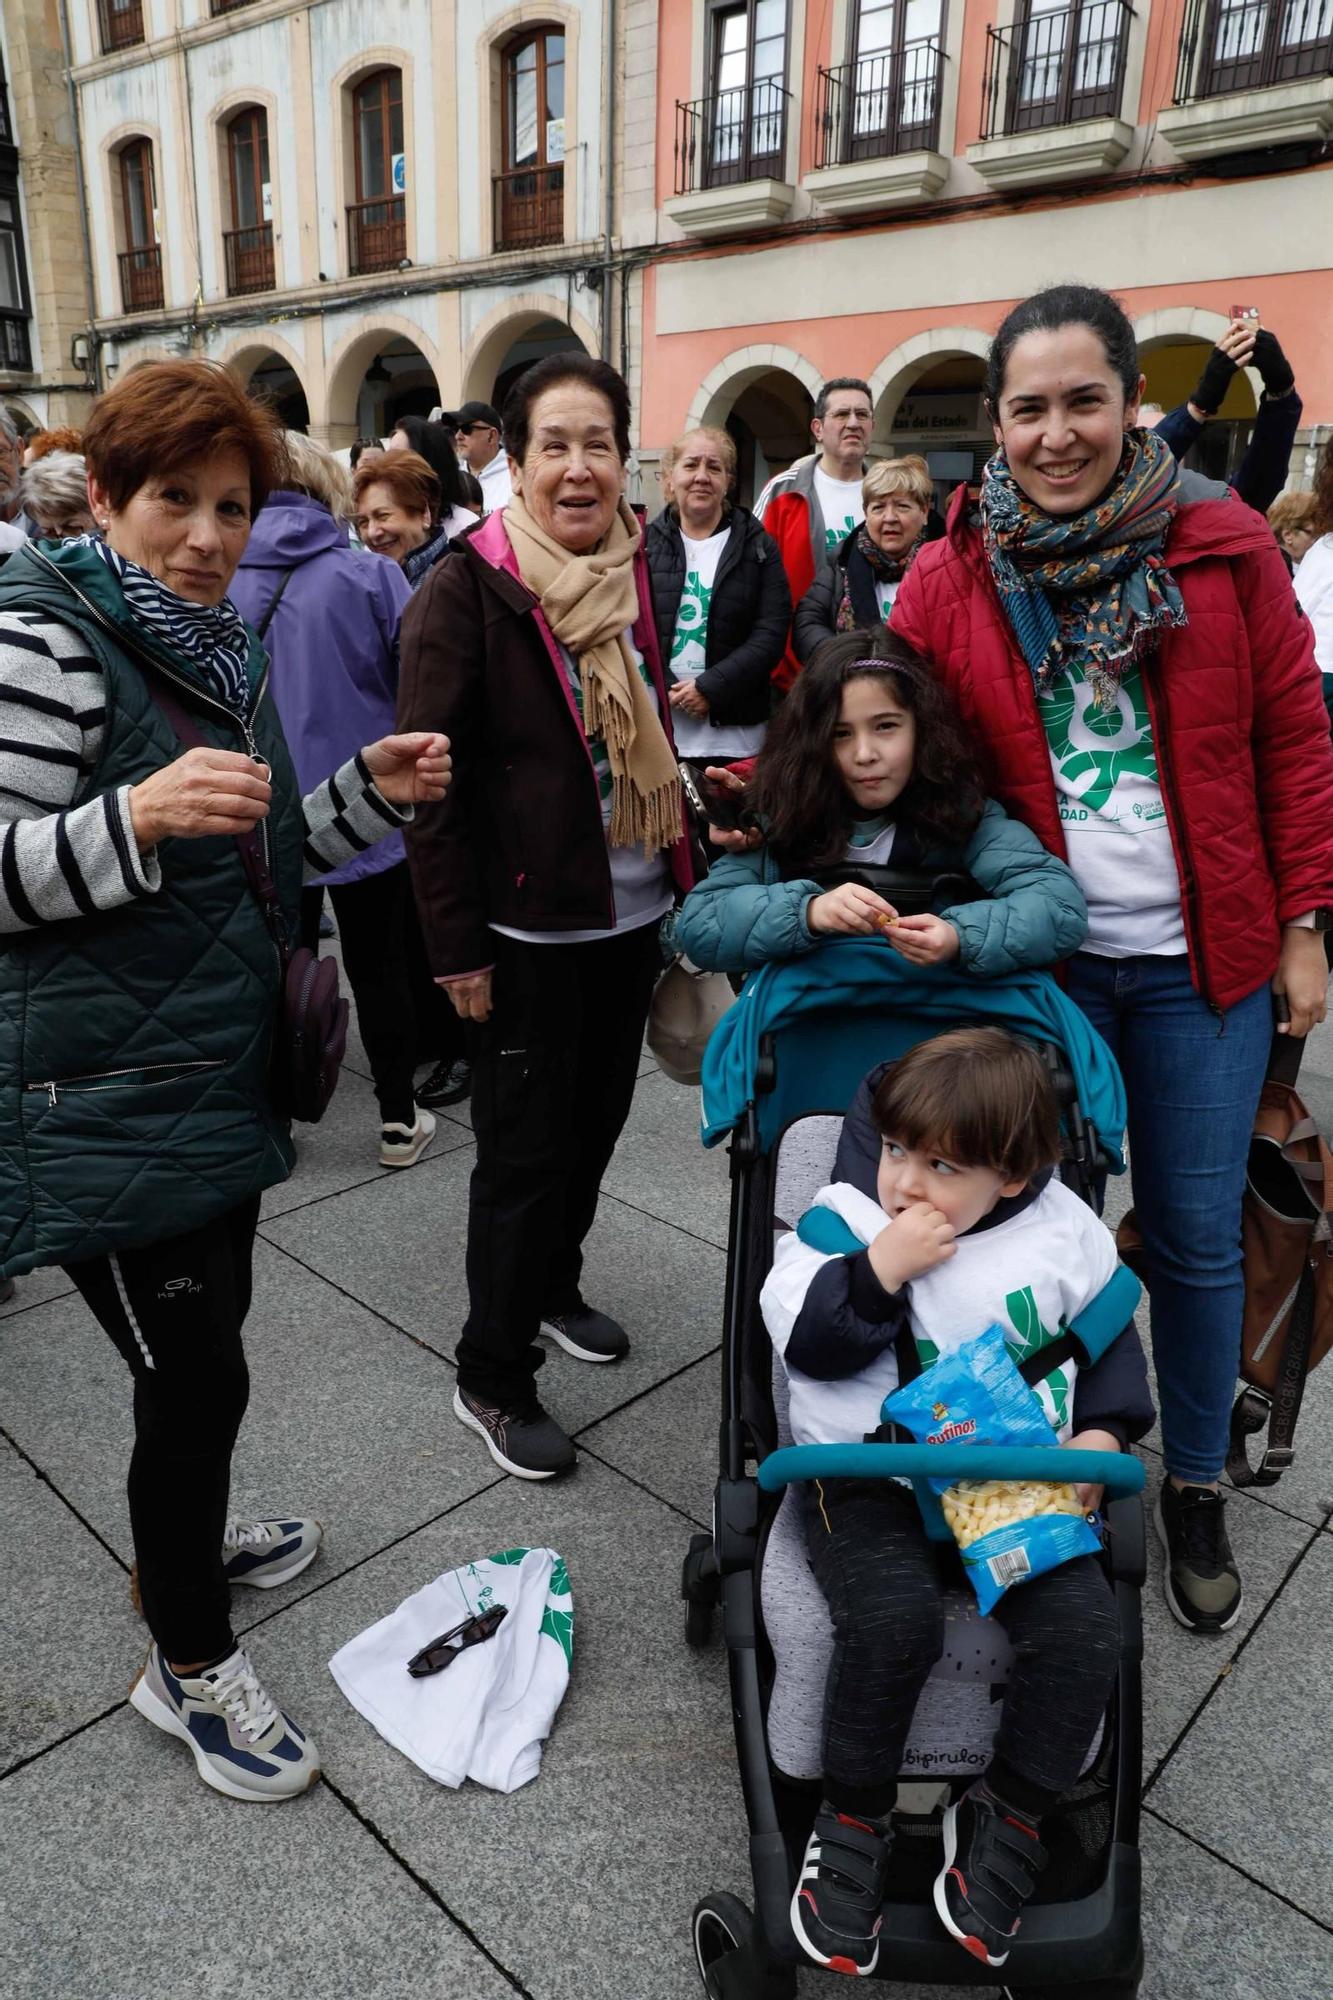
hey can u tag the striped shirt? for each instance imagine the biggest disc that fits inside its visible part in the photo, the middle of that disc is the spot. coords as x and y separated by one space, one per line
59 860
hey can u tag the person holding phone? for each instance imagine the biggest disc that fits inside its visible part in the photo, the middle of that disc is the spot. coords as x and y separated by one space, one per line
1266 466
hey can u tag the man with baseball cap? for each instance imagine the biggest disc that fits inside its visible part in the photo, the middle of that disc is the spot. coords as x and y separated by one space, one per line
481 450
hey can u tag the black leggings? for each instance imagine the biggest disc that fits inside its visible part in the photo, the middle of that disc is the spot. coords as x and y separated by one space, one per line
875 1565
175 1311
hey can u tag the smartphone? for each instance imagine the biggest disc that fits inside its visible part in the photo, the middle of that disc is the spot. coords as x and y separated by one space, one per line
708 802
1245 312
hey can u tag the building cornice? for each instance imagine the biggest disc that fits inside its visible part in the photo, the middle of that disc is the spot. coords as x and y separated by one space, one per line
216 28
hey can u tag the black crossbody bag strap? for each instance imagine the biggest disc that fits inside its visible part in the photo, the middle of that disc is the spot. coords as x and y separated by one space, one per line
274 602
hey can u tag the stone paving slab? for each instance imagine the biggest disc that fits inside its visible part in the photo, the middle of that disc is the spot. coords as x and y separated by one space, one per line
52 1679
581 1883
342 1151
139 1881
1267 1730
349 1420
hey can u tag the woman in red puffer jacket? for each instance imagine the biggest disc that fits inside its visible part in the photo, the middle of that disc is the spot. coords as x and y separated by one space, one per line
1124 643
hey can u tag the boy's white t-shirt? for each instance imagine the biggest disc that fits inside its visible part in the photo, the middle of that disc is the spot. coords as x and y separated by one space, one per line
841 505
1032 1275
1113 816
700 736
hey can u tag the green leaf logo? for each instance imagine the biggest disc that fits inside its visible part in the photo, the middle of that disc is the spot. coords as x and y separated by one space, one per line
1099 745
559 1625
1028 1332
559 1584
509 1558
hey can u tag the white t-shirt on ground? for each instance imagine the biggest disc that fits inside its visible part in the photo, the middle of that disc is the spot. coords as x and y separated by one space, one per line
1114 817
695 736
1314 588
841 506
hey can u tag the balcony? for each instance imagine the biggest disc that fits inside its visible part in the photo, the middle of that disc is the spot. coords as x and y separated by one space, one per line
877 131
141 279
731 153
1252 75
121 23
248 254
1051 97
376 234
528 207
15 346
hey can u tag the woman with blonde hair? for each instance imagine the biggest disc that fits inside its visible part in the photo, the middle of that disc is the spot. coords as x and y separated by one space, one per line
858 588
720 599
328 616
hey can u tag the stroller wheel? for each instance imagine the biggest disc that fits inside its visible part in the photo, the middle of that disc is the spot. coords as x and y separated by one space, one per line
722 1927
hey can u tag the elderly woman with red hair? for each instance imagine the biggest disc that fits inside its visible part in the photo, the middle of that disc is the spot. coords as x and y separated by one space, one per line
139 987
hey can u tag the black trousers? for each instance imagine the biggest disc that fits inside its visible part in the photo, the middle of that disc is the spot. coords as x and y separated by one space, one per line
402 1014
874 1562
175 1310
553 1073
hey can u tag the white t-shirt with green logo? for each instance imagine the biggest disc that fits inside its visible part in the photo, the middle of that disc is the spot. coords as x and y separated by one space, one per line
701 736
841 505
1113 816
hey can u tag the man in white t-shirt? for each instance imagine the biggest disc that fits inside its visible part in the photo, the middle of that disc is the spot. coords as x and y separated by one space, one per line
481 451
812 507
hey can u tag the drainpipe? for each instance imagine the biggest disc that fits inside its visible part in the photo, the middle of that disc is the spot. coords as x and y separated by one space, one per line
94 338
608 174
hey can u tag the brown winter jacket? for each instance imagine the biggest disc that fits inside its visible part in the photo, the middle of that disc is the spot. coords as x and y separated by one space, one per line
518 838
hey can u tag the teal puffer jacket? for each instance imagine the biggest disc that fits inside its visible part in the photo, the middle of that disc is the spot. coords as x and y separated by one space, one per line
744 915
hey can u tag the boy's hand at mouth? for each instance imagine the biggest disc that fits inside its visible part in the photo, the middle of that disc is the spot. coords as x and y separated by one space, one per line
917 1239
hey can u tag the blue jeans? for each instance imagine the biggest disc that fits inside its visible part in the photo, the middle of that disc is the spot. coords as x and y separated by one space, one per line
1193 1079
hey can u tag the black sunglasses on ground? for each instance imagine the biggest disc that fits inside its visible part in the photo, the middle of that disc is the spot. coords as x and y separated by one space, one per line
435 1657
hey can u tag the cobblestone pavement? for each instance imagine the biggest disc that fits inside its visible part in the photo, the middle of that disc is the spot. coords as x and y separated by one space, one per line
123 1877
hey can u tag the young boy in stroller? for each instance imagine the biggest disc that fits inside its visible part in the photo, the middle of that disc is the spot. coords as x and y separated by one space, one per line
944 1217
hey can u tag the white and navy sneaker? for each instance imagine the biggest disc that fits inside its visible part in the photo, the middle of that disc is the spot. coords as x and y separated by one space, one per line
265 1553
243 1745
403 1145
587 1334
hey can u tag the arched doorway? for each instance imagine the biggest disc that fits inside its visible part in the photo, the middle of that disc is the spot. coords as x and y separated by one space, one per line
377 376
766 412
938 416
280 385
546 336
1171 369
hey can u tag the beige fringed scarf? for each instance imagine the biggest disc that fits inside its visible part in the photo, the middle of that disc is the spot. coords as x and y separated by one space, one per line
590 602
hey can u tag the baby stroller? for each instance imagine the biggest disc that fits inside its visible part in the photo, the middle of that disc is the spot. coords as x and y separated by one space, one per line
781 1069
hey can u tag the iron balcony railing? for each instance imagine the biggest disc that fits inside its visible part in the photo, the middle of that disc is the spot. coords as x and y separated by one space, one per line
376 234
880 106
1231 45
121 23
528 207
141 279
15 345
734 135
1055 69
249 259
227 6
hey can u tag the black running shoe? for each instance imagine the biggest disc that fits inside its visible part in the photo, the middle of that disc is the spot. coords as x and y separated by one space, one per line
448 1083
524 1441
1200 1581
586 1334
992 1858
835 1912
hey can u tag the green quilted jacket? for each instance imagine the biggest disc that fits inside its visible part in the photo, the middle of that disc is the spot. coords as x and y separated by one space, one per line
135 1042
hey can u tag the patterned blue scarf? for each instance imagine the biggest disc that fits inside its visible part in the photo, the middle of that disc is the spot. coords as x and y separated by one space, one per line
424 558
211 638
1091 587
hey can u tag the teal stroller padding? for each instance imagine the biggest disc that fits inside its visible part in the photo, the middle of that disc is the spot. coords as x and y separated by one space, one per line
853 1003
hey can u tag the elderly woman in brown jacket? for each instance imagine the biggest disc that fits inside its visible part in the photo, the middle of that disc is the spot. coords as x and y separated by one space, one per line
542 883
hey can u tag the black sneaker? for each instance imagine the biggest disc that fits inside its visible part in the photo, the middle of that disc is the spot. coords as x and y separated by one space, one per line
586 1334
992 1858
1200 1581
835 1912
448 1083
524 1441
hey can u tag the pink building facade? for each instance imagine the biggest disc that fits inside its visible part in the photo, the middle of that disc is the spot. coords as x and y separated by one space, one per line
863 187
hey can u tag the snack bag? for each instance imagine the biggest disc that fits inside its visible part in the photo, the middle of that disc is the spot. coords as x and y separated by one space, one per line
1006 1530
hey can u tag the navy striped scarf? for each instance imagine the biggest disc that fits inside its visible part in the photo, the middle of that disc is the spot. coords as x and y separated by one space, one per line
211 638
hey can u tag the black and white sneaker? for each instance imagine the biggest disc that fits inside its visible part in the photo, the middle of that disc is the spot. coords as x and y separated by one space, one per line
992 1858
448 1083
524 1441
1201 1582
836 1909
586 1334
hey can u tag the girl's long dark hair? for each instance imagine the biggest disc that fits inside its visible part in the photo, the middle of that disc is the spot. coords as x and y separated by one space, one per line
798 788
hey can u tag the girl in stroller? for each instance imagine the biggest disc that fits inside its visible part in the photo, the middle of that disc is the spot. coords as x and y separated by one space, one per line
866 773
953 1221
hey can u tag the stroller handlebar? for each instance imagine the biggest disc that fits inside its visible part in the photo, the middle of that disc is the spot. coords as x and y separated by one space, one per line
1118 1472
